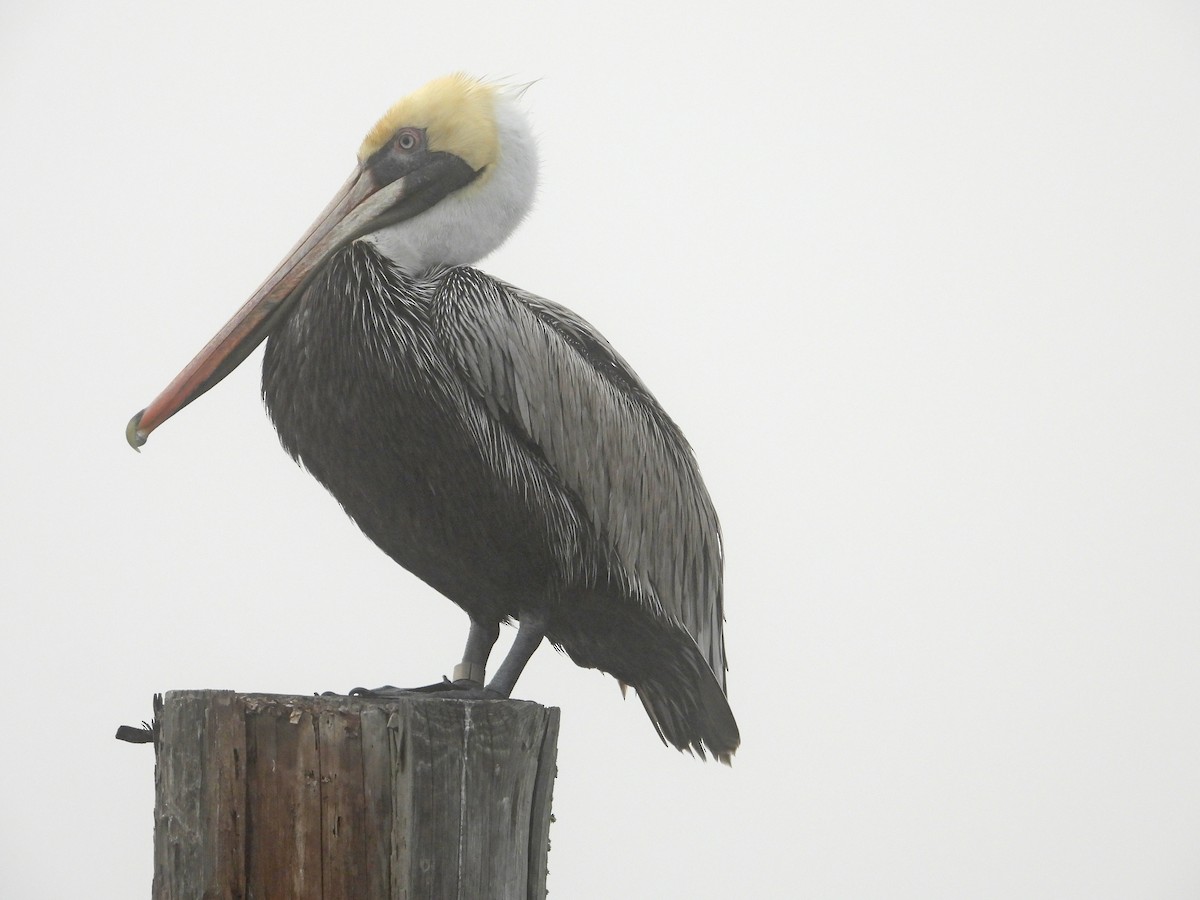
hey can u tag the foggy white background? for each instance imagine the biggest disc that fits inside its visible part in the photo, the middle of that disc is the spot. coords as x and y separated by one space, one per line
918 281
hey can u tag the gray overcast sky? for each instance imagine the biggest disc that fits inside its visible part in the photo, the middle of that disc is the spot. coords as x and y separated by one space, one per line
920 284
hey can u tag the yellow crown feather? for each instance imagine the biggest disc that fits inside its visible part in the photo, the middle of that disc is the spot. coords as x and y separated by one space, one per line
457 113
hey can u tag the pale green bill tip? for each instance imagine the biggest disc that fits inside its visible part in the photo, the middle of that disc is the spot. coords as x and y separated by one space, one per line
135 437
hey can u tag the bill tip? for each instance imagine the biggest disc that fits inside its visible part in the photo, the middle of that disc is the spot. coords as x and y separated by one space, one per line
134 434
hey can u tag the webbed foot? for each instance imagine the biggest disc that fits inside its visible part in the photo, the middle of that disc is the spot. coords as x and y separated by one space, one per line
463 689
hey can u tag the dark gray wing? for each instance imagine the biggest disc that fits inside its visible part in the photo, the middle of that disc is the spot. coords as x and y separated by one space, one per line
554 378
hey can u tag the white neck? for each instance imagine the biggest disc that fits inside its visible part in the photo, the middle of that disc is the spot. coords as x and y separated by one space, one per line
472 222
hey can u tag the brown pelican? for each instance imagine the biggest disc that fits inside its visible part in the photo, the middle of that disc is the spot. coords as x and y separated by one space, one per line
491 442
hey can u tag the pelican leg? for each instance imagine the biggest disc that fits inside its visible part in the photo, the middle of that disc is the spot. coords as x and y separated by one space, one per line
480 640
479 646
468 675
529 638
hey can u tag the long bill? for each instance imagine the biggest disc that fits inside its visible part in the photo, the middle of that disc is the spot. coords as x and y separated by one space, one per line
353 212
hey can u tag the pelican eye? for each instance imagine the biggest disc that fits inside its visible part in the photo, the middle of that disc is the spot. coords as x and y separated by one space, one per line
408 139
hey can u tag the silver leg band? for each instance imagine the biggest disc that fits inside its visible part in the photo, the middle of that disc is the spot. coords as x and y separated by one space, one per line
469 672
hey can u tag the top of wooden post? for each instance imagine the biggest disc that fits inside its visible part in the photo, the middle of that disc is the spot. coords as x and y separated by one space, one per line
328 797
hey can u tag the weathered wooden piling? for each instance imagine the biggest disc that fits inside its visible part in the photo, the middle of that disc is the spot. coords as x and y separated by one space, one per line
271 796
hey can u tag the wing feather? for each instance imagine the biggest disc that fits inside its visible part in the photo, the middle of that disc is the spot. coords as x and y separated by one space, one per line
557 381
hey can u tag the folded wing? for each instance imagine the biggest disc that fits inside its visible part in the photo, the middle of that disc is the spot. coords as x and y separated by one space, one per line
554 379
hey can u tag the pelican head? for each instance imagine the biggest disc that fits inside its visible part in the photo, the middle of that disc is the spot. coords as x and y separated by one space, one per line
442 178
